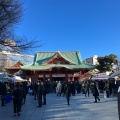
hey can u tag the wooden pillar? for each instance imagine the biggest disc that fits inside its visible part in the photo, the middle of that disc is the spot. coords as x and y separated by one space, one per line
36 75
85 76
51 76
72 76
11 72
66 75
31 75
44 76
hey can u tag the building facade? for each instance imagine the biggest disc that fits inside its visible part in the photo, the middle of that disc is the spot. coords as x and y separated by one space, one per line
14 69
57 66
92 60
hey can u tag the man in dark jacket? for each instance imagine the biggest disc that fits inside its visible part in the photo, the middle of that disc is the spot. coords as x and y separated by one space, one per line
118 98
39 93
16 96
3 94
95 92
35 90
44 92
23 95
68 92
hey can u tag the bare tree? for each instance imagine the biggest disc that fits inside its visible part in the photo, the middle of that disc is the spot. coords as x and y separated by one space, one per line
10 14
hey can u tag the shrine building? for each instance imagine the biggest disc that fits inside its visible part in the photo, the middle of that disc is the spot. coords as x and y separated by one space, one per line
57 66
14 68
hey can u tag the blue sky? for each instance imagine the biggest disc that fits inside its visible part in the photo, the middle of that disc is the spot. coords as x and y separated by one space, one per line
89 26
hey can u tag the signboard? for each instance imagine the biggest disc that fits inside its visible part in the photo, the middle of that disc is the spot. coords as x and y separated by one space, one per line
101 75
58 75
47 75
40 76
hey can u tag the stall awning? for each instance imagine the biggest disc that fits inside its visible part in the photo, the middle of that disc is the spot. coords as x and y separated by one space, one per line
99 78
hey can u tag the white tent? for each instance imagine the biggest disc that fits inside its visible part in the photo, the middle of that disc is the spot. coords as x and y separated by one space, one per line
11 78
16 79
117 73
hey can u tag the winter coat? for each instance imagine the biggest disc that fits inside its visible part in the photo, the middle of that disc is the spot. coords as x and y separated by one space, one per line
68 90
16 95
40 90
95 91
59 87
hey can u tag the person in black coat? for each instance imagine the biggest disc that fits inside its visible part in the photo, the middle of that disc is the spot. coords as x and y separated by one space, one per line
35 90
68 92
16 96
3 94
118 97
44 92
39 94
95 92
23 95
72 88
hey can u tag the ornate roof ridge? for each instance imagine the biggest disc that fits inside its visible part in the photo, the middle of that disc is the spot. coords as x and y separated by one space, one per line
57 51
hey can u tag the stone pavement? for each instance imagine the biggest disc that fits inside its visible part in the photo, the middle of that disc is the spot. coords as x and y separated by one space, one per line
81 108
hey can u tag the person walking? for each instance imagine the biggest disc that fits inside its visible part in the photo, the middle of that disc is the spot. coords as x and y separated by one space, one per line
3 94
95 92
35 90
16 96
25 92
87 87
68 93
72 85
118 98
107 89
83 87
59 88
39 94
44 92
23 95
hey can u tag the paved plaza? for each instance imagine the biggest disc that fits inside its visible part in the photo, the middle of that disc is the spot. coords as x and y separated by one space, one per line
81 108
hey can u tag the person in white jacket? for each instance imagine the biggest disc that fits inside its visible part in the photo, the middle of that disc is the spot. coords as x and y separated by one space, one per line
59 88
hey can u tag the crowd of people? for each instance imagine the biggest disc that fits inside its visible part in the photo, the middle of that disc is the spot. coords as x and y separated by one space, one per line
39 89
109 88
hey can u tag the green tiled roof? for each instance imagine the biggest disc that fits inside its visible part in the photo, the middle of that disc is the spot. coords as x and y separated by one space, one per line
46 67
42 57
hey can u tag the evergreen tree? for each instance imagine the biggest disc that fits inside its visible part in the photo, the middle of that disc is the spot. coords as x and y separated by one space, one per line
106 63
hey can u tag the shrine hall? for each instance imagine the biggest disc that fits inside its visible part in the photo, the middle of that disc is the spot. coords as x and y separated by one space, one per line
57 66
